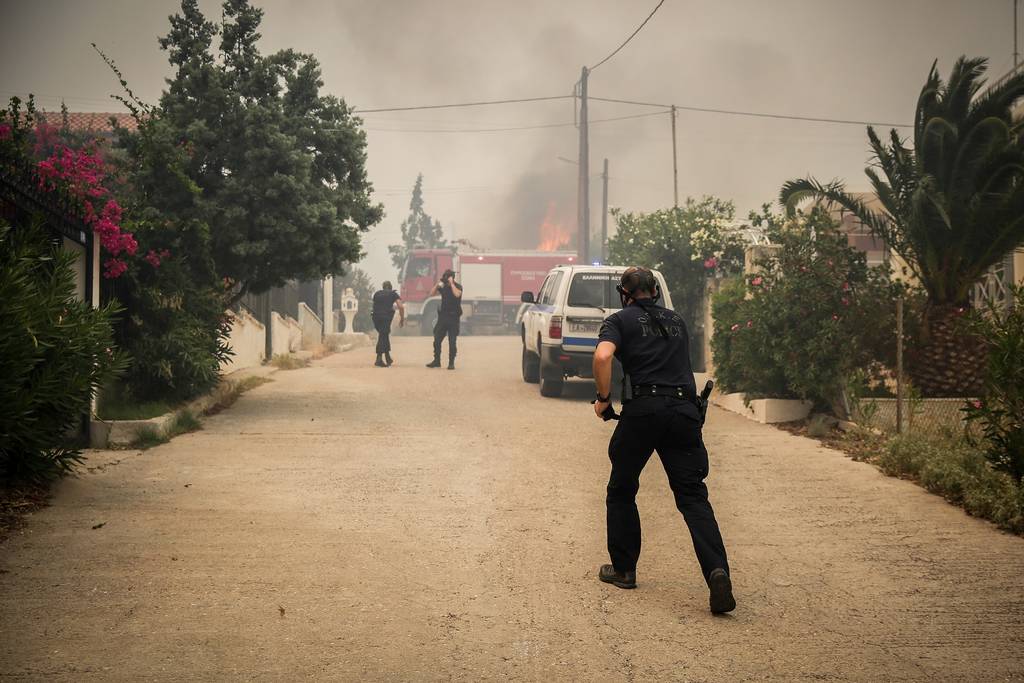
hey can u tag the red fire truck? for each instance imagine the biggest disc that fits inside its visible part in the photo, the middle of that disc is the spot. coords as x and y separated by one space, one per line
492 283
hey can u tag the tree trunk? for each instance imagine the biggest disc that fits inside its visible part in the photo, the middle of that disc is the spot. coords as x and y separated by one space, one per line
948 361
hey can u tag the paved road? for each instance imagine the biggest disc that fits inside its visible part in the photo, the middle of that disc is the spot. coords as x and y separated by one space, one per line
353 523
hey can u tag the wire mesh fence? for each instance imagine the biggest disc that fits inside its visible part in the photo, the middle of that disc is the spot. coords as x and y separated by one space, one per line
920 415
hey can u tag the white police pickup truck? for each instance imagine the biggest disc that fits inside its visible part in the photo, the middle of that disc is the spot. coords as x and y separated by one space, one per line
560 326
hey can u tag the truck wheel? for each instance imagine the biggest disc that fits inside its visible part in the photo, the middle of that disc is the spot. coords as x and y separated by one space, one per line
531 367
551 388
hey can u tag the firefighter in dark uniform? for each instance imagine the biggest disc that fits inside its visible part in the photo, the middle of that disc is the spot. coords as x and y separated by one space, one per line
448 315
652 345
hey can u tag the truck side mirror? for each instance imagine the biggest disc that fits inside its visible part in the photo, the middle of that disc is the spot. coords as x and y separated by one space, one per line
526 297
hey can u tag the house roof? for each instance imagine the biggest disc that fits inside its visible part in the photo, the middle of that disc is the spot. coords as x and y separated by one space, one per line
90 122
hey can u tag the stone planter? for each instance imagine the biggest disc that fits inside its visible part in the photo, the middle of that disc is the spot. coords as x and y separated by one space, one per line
765 410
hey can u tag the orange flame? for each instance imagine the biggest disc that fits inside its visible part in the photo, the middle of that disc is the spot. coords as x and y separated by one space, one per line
553 236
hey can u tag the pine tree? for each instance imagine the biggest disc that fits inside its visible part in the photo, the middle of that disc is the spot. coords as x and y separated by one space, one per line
419 230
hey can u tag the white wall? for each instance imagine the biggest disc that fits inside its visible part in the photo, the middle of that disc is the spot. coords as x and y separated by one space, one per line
312 328
247 340
285 334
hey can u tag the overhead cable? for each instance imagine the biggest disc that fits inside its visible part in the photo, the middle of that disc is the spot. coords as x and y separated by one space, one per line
463 104
510 128
734 112
616 50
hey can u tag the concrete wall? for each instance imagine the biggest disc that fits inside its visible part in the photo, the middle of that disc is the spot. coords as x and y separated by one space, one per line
285 334
247 340
311 326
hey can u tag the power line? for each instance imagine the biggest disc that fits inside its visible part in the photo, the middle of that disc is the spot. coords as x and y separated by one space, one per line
734 112
463 104
616 50
510 128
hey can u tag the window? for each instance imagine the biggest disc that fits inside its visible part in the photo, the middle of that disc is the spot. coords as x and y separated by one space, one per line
551 293
543 289
420 267
595 290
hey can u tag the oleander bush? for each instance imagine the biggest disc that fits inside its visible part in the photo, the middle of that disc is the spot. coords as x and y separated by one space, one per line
55 351
1000 410
812 315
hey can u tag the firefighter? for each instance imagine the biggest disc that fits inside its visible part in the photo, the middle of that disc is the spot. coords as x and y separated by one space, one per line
385 300
652 345
448 316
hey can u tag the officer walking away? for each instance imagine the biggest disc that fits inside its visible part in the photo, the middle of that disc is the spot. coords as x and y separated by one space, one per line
652 345
447 317
385 300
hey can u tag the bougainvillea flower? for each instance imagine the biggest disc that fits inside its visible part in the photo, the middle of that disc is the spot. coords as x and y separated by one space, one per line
757 281
710 262
735 327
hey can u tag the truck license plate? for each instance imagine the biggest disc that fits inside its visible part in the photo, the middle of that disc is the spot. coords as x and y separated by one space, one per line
584 326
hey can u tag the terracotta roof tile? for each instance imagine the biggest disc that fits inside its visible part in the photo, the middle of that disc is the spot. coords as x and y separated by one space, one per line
97 122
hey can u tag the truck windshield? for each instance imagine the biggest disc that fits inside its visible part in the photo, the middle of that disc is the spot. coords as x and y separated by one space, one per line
594 290
418 267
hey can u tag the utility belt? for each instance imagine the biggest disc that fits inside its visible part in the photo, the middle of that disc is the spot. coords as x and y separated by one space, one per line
660 390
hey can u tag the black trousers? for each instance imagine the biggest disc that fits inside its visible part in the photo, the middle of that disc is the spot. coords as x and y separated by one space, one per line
447 325
677 439
383 327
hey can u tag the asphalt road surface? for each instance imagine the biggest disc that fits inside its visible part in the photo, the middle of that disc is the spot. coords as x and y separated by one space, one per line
346 522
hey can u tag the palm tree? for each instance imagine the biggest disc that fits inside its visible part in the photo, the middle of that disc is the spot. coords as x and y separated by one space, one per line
951 206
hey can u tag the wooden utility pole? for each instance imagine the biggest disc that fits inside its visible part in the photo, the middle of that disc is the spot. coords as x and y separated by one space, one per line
675 164
899 365
583 193
604 214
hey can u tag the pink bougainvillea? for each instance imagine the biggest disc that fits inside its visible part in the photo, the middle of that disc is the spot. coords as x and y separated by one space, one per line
81 172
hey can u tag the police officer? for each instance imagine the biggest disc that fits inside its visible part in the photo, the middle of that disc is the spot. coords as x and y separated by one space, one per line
448 316
385 300
652 345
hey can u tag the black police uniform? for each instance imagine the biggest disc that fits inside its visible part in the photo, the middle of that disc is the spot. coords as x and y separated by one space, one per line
662 417
447 324
383 314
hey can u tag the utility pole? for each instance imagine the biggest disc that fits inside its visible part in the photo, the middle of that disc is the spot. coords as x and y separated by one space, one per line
583 194
604 214
675 165
1016 55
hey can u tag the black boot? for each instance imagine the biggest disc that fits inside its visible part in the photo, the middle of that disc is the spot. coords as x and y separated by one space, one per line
620 579
451 363
436 363
721 592
387 359
379 363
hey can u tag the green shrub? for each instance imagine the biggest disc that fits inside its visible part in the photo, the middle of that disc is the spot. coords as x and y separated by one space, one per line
960 472
54 352
174 323
1000 411
743 362
812 316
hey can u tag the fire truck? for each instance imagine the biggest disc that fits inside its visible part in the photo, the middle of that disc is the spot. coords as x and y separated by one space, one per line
492 283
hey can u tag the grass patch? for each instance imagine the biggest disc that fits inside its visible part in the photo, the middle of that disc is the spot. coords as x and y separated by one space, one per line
113 404
232 391
148 436
183 422
960 473
944 463
283 361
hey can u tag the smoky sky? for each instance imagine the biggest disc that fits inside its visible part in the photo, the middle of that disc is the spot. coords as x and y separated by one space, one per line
826 58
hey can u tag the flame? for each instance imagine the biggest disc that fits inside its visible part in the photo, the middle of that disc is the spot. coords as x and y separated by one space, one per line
553 235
